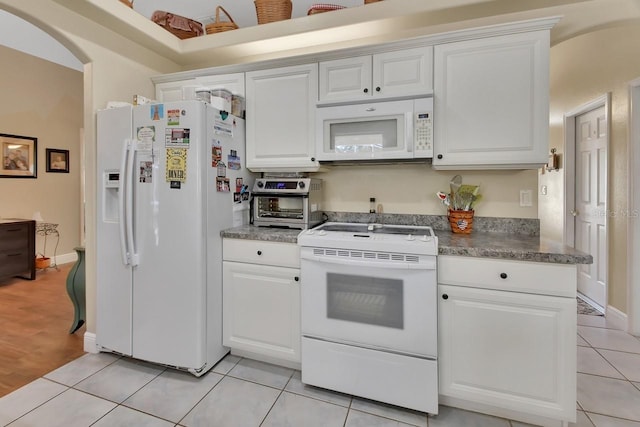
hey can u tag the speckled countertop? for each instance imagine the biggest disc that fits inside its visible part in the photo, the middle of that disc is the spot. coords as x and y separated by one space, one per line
508 246
501 238
249 232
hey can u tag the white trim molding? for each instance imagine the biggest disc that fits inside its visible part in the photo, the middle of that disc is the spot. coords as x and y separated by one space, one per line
569 161
90 345
633 222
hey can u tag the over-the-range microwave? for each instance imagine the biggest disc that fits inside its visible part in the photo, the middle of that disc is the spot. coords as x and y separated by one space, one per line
386 130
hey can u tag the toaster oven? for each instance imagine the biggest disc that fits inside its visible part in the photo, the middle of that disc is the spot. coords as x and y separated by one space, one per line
287 202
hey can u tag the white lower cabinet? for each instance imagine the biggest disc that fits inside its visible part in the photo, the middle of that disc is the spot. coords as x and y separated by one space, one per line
261 302
504 352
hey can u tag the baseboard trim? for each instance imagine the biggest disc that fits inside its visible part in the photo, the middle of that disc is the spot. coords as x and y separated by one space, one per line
90 345
65 258
617 319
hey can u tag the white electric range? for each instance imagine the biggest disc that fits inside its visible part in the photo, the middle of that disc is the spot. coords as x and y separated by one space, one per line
369 312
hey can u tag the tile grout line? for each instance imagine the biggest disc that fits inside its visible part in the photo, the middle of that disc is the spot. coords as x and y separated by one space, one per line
277 398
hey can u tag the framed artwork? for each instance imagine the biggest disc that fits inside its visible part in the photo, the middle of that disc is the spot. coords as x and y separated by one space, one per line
19 156
57 160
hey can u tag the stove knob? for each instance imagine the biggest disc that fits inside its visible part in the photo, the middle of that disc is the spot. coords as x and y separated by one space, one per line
260 184
301 184
410 237
309 231
425 238
322 233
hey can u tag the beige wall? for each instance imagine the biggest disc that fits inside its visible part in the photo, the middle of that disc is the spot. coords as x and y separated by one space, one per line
118 68
43 100
411 189
582 69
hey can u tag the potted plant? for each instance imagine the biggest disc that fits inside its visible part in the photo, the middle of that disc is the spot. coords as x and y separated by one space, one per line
460 202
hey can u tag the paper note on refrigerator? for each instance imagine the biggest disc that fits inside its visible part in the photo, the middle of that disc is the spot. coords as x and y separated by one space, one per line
176 168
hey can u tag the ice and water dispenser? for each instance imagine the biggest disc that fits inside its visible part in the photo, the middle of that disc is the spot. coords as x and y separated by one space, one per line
111 185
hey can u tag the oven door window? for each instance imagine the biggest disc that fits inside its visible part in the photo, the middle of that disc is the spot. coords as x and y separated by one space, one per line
366 136
364 299
280 207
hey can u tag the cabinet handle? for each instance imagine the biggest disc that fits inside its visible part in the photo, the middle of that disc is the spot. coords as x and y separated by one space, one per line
296 278
259 252
378 89
439 156
366 90
503 275
445 296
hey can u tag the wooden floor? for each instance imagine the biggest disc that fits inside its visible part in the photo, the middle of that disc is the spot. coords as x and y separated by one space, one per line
35 318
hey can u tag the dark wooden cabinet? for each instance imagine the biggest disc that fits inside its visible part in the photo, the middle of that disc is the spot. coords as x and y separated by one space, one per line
17 248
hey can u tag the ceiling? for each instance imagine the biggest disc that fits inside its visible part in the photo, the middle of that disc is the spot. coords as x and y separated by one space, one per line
357 25
35 42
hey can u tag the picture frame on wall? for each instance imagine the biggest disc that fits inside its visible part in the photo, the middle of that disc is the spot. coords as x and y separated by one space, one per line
57 160
19 156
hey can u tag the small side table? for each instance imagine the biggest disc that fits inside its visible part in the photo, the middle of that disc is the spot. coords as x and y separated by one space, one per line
76 290
49 229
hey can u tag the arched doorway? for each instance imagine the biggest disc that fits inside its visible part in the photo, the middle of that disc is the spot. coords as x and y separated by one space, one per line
42 84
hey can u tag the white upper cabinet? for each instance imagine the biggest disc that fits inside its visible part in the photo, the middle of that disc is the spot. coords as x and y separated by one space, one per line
393 74
234 83
280 114
173 91
491 102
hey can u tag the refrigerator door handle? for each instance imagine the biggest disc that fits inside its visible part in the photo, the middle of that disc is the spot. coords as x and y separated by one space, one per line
122 188
130 177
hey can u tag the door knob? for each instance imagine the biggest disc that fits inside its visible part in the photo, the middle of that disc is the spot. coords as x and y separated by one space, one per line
574 212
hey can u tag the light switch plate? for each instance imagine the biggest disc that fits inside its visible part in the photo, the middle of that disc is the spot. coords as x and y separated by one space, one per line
525 198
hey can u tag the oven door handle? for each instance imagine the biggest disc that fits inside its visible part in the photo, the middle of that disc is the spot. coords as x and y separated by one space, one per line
428 265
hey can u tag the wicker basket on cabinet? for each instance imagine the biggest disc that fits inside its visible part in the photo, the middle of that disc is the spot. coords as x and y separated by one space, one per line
273 10
219 26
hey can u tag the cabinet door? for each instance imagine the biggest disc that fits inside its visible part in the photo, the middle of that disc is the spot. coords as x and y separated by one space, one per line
261 310
508 350
172 91
345 79
394 74
231 82
491 101
280 118
403 73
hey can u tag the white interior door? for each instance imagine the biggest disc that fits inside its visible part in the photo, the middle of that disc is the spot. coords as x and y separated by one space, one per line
591 203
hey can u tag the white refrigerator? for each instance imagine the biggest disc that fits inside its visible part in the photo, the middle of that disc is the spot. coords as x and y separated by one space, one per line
171 177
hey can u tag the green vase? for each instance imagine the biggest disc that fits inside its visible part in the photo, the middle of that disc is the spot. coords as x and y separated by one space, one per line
76 290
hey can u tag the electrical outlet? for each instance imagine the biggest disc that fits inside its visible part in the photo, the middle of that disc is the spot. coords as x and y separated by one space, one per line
525 198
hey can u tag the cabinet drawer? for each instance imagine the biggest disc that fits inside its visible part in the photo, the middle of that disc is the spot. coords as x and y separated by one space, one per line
14 262
517 276
261 252
14 237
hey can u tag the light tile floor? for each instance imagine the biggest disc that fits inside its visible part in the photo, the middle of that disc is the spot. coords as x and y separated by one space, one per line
104 390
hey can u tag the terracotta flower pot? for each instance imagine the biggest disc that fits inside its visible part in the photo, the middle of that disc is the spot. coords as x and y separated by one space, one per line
43 262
